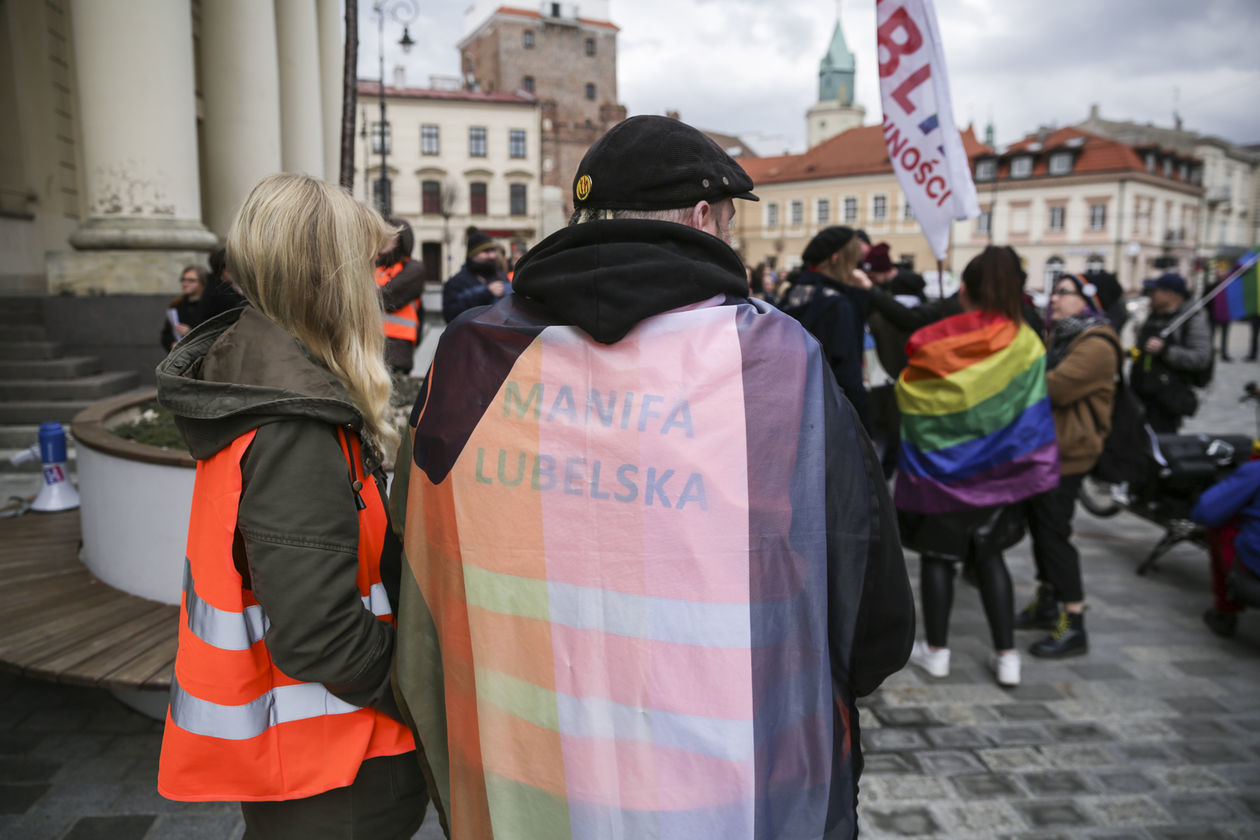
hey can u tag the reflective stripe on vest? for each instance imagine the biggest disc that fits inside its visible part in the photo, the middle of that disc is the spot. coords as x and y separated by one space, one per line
282 704
239 728
403 322
228 630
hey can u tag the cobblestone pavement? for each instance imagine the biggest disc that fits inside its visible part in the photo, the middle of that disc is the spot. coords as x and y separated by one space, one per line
1154 734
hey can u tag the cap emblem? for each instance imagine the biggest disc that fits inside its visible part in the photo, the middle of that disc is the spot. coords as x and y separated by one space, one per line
583 188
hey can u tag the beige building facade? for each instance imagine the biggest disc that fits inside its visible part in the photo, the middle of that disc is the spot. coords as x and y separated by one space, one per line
455 158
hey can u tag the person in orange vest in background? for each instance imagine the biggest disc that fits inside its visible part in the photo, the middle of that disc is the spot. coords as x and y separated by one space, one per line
281 695
402 282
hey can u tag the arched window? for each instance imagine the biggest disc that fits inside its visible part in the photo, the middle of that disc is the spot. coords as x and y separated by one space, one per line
1054 266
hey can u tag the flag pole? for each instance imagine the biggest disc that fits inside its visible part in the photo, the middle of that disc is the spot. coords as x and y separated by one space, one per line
940 279
1208 298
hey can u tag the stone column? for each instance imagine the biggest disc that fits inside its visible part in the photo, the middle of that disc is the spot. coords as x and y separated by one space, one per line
301 111
240 94
138 128
332 61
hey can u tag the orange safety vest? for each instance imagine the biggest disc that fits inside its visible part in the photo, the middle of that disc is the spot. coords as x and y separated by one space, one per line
403 322
238 728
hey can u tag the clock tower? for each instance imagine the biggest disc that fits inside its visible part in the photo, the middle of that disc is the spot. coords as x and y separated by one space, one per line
835 111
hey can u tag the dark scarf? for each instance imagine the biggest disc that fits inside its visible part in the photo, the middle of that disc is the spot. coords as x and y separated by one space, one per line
1067 329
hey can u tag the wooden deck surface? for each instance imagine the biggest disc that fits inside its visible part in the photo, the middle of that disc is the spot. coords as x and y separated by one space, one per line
58 622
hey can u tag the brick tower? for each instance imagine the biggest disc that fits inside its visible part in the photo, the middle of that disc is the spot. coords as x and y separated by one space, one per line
565 54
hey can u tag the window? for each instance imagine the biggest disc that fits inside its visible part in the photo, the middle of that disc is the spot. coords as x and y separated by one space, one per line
850 209
380 138
907 212
772 214
477 198
1150 161
984 222
1056 218
476 142
430 140
527 38
1095 262
879 208
516 142
590 46
1097 217
1168 164
822 211
1054 267
1021 167
430 197
1060 163
1183 172
986 170
590 91
516 199
798 212
528 84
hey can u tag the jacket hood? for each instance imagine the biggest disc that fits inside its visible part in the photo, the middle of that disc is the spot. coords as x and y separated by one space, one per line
241 370
606 276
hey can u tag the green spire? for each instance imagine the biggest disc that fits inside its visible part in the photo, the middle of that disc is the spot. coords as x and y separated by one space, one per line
835 71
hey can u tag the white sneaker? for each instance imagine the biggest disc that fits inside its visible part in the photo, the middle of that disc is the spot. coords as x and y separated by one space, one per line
935 662
1006 668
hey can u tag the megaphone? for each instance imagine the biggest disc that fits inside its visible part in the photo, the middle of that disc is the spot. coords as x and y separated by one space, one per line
57 493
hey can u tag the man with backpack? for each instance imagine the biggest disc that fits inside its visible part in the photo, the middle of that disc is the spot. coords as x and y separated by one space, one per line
1169 368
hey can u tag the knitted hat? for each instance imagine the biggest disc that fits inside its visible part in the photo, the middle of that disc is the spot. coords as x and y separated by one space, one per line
1171 281
825 243
878 259
478 242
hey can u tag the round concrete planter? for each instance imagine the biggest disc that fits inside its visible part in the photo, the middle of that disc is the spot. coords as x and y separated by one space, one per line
135 500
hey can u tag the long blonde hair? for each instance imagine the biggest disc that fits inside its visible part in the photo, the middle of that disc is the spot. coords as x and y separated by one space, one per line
302 252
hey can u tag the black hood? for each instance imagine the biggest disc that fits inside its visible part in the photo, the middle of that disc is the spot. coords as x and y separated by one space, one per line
606 276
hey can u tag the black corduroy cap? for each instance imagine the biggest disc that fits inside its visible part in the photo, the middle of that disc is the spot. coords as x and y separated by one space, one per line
656 163
825 243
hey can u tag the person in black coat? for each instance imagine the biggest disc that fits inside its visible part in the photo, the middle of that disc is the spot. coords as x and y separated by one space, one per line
186 308
479 283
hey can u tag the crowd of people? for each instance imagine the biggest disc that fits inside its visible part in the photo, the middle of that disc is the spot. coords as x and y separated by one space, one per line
640 556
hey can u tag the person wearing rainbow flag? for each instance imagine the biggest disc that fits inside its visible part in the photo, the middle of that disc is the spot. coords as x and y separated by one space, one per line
977 437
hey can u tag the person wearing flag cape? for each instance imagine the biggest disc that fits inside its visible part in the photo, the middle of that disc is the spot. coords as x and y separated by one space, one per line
651 559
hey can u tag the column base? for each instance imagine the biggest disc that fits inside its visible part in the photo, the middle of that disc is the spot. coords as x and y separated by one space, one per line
118 272
143 234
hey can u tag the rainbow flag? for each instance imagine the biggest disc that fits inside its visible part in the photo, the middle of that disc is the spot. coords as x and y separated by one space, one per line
616 584
976 426
1241 297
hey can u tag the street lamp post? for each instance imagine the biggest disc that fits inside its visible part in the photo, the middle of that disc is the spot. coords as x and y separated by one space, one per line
404 12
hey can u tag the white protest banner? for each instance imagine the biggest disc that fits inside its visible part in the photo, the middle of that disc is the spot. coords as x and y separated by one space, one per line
924 146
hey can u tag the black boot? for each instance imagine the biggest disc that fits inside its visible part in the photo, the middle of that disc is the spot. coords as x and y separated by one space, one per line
1041 613
1068 638
1221 623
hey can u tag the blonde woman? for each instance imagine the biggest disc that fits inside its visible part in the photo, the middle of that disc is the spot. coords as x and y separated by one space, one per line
281 694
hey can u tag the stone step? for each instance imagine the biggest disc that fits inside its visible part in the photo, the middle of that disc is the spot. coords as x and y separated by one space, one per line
14 412
90 388
29 350
20 436
67 367
23 332
22 310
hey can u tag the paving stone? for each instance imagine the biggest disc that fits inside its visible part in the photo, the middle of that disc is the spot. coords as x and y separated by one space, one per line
1182 778
1014 735
1198 728
104 767
984 817
1013 758
22 769
1024 711
879 740
986 785
1208 752
1248 724
1123 835
1076 756
1199 810
1197 833
110 828
17 743
949 762
1072 732
1055 783
1052 813
910 786
1037 691
1142 753
906 716
1125 781
909 822
962 737
73 746
1195 705
1100 671
888 763
17 799
196 827
1200 668
1128 811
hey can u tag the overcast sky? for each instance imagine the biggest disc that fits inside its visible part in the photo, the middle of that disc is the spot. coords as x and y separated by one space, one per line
750 67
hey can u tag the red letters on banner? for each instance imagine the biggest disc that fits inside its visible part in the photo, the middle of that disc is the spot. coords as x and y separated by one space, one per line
899 20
